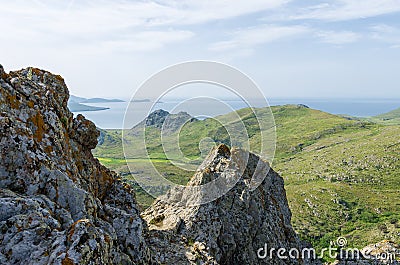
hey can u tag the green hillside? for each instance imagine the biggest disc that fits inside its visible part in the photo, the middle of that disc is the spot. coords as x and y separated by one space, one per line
342 176
392 117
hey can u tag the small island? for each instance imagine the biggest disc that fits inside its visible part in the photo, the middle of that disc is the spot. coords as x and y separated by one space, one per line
141 100
78 107
101 100
77 104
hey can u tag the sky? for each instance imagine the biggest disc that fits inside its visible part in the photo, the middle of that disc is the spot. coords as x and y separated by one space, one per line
322 49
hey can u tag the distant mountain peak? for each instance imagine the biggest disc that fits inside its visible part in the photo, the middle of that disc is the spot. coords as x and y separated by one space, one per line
162 119
157 118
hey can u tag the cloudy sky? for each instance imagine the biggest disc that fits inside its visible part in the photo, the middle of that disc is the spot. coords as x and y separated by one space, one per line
332 48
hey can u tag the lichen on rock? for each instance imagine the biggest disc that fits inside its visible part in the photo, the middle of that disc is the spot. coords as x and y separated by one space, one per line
58 204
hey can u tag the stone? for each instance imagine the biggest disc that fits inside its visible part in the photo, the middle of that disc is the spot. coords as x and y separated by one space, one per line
58 204
231 229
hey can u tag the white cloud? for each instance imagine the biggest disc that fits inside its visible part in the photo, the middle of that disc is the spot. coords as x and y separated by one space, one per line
146 41
387 34
249 37
151 25
78 38
194 11
89 16
340 10
337 37
130 25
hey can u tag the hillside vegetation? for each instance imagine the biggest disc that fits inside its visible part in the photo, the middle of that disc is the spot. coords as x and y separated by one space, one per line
342 176
392 117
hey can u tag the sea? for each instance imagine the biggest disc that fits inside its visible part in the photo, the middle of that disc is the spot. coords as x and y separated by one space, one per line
119 116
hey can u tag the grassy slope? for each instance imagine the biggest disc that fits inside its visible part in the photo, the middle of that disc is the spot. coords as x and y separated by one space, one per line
390 118
346 184
342 176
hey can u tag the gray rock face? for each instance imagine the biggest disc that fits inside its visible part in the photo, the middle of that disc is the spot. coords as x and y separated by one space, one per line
58 205
156 118
231 229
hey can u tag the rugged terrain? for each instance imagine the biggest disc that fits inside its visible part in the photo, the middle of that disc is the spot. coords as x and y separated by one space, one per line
59 205
341 174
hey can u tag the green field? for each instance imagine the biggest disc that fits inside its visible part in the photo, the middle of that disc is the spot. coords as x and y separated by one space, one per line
342 175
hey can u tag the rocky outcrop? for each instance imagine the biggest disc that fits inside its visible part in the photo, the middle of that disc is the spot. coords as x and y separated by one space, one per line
156 118
59 205
164 120
231 229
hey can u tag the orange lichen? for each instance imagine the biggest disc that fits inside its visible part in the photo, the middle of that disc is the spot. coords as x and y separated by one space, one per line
72 231
4 76
31 104
67 261
37 72
66 139
79 165
14 102
38 121
59 78
107 238
48 149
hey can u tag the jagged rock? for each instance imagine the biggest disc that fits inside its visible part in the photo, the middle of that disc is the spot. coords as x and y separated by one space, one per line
231 229
85 132
156 118
58 205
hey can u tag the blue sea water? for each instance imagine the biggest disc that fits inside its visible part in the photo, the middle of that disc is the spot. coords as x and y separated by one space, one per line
113 118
